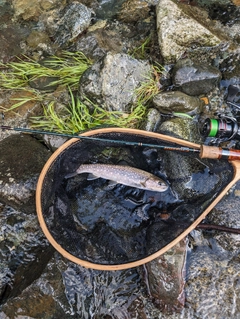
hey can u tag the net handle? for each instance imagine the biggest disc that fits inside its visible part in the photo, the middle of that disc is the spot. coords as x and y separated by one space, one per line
87 264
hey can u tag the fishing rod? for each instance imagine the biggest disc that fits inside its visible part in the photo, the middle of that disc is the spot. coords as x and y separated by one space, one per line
98 139
204 151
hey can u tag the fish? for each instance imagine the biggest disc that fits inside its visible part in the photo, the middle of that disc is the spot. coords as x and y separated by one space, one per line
121 174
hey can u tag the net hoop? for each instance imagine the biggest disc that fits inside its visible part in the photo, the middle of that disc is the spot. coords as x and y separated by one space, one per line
87 264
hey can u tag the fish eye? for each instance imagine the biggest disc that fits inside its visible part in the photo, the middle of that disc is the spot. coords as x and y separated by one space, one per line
161 184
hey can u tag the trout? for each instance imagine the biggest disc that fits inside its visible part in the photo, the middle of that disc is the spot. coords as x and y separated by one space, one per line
126 175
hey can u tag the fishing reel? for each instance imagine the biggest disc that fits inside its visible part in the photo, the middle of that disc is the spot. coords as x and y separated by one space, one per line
222 129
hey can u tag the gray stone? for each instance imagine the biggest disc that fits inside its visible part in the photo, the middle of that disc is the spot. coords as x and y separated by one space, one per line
112 82
54 142
184 128
108 9
180 32
175 101
133 11
152 121
165 279
21 161
24 251
73 20
214 267
195 78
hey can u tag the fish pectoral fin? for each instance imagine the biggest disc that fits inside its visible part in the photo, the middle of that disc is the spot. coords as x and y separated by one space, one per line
143 183
112 183
91 177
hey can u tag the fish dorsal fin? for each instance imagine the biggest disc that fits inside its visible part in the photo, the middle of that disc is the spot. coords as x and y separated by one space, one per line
91 177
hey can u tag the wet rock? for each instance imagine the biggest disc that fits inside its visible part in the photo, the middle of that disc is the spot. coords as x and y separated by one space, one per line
44 83
33 10
44 298
51 4
21 160
230 204
10 39
175 101
108 9
100 85
152 121
67 290
54 142
115 37
133 11
6 12
227 13
24 251
229 71
184 128
165 278
27 10
95 45
180 32
110 293
73 20
37 39
195 78
214 263
213 280
183 171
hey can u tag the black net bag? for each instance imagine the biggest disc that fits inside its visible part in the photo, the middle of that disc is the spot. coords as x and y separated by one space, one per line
110 227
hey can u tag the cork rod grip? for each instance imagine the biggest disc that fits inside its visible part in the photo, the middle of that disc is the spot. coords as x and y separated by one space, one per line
217 153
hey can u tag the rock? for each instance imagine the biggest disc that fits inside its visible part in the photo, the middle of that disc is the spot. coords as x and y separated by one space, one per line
51 4
108 9
134 10
112 36
166 279
152 121
36 39
180 32
10 39
95 46
214 273
184 128
44 297
44 83
54 142
24 251
33 10
195 78
73 20
67 290
27 10
100 85
21 160
175 101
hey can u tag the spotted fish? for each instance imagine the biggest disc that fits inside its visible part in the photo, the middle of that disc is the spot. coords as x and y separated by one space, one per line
125 175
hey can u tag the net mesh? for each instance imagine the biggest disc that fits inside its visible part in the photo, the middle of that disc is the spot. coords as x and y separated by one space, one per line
119 224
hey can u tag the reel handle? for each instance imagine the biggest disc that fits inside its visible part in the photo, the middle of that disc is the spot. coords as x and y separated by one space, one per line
218 152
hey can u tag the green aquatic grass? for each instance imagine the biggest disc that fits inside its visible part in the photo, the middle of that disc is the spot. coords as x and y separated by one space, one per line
68 68
140 52
77 117
150 86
